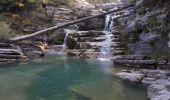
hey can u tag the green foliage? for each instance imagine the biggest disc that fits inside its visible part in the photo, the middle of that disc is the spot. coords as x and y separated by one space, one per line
10 5
5 32
55 39
155 55
17 5
65 2
165 54
164 34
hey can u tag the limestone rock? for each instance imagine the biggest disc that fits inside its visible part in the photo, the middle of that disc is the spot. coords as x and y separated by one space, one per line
133 77
146 37
140 48
148 80
83 4
159 90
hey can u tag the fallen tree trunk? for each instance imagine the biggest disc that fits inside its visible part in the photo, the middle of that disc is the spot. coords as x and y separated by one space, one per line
66 24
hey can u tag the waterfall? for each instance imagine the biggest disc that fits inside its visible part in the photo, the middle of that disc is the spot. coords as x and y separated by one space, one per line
108 23
65 41
64 46
105 52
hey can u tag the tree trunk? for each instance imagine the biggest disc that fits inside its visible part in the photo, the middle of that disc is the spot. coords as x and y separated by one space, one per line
20 38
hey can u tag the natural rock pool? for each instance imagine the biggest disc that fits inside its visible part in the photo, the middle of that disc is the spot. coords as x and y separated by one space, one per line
65 78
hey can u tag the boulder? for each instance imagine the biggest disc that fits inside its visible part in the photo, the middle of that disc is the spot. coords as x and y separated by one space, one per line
148 80
147 37
133 76
159 90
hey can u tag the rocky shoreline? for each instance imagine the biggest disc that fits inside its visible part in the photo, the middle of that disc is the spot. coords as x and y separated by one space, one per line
158 81
134 38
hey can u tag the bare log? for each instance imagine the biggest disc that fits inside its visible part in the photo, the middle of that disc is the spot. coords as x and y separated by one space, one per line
67 24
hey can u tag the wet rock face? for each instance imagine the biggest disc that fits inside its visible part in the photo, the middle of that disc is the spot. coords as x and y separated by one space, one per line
149 2
83 4
147 29
88 43
147 37
93 24
85 39
62 15
140 48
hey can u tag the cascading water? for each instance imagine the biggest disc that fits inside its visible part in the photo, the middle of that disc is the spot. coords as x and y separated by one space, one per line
105 52
64 46
108 23
65 41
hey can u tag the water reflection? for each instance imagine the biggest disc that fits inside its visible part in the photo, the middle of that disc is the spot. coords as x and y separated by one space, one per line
63 78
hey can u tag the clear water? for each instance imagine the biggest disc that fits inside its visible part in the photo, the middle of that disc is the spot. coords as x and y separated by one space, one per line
63 78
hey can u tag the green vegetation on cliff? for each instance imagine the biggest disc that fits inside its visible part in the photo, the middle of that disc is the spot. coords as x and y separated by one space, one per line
5 32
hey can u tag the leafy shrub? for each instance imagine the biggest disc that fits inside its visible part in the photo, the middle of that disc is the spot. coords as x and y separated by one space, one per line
5 32
159 54
56 39
17 5
10 5
154 55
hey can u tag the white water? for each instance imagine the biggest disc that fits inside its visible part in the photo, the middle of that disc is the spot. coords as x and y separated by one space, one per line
65 40
64 46
105 52
108 23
